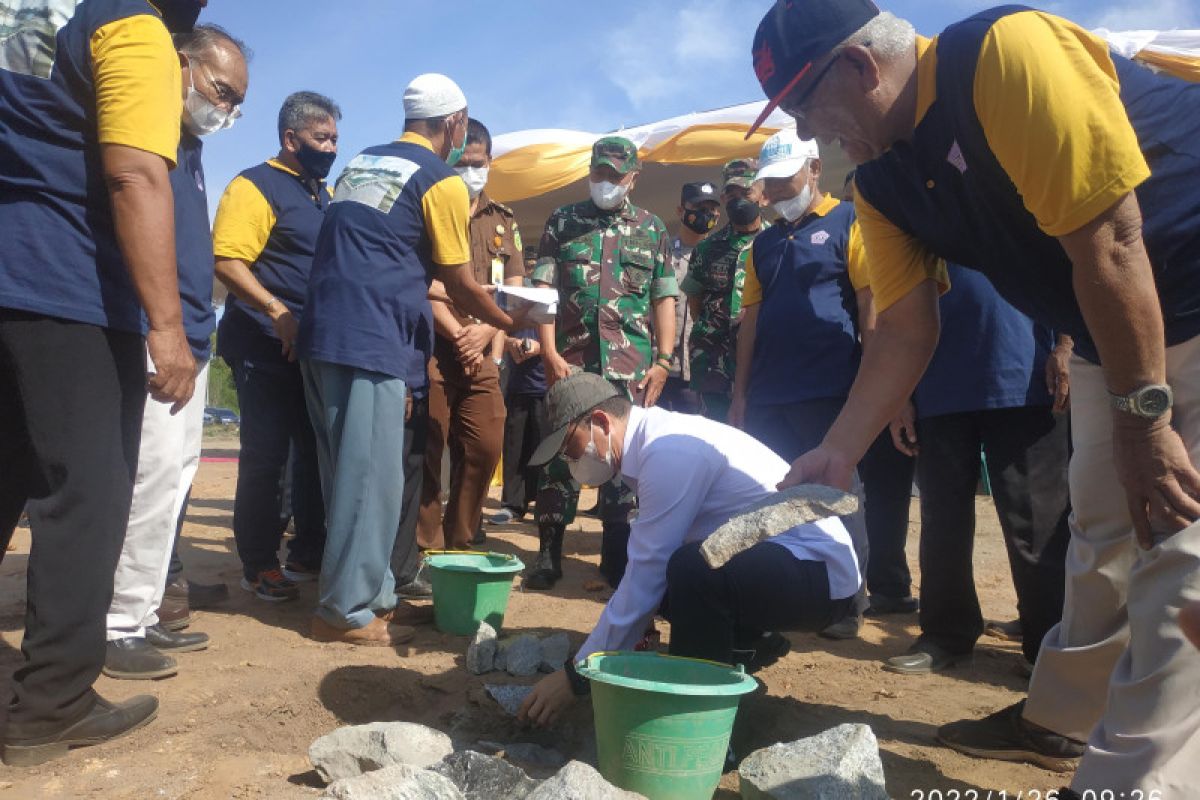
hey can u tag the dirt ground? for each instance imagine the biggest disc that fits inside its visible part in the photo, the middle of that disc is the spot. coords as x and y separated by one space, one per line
237 720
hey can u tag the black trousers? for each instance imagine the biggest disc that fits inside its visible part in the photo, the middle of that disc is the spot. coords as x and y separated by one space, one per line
406 556
761 589
275 420
1027 451
887 476
524 428
679 397
71 401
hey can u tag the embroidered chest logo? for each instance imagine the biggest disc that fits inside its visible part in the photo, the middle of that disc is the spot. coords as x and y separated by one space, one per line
820 237
955 157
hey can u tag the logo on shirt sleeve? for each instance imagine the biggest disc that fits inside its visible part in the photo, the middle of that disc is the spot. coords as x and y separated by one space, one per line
955 157
820 237
374 181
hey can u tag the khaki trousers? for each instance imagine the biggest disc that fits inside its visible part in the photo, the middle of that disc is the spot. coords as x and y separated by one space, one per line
1117 671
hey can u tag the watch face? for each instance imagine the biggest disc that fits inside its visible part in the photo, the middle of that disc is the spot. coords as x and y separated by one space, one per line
1154 402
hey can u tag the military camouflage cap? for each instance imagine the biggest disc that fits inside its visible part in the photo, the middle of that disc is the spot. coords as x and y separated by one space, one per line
616 152
739 172
568 400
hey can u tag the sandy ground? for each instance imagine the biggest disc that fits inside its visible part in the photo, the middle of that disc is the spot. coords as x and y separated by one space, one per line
237 720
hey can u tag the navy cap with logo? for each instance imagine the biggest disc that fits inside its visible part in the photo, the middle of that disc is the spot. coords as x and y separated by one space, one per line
699 192
794 34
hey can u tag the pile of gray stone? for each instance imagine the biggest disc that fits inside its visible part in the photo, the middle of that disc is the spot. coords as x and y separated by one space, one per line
406 761
520 656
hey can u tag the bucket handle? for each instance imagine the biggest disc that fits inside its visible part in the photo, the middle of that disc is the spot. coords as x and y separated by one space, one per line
428 553
735 667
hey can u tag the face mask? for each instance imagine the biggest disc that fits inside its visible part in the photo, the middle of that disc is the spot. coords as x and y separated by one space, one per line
316 163
590 469
200 116
607 195
699 220
179 15
455 153
742 211
475 178
794 208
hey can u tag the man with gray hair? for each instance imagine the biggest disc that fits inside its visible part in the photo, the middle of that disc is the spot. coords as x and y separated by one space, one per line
264 236
398 225
1018 145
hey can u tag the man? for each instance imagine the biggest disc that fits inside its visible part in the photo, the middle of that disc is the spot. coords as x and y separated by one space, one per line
714 288
466 405
969 148
994 384
692 475
89 127
399 219
699 211
609 261
264 236
214 86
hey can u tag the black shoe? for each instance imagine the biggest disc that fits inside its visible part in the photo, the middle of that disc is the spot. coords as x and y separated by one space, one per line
105 722
1007 736
594 511
848 627
135 659
762 652
548 568
162 639
923 658
882 605
416 589
614 552
1008 631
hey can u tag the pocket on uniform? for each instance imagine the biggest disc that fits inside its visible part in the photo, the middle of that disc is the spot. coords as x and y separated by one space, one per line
575 264
636 267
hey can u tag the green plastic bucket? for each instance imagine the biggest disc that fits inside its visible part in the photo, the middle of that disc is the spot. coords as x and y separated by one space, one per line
469 588
663 722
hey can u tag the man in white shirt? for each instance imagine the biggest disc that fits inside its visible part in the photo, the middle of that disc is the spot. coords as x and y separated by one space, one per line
691 475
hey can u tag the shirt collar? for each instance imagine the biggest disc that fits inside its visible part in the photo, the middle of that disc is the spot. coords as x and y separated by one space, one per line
926 76
483 205
631 447
415 138
279 165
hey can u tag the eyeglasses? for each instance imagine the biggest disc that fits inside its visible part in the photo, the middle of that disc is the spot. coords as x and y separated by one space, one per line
226 95
794 103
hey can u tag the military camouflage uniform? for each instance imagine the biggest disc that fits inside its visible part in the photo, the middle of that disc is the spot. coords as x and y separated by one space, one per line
717 274
609 267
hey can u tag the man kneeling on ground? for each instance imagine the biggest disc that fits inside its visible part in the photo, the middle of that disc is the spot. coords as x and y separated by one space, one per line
691 475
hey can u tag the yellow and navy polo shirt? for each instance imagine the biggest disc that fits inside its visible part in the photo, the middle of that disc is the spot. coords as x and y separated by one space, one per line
75 77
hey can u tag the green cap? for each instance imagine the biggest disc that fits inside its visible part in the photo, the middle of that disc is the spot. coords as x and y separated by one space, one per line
568 400
739 172
616 152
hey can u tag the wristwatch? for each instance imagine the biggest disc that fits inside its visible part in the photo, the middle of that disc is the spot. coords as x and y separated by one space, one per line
1149 402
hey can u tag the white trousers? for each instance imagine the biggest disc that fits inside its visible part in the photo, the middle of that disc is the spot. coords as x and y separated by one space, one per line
167 461
1117 671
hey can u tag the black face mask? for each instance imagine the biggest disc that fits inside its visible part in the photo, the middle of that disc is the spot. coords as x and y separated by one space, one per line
179 15
699 220
743 211
316 163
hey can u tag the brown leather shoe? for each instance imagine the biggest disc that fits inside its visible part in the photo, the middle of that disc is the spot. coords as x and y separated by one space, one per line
408 614
377 633
174 613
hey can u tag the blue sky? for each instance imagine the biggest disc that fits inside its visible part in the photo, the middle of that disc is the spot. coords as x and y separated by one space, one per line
586 65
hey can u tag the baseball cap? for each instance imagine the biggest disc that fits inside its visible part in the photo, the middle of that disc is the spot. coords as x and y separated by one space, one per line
784 154
794 34
699 192
568 400
432 95
616 152
739 172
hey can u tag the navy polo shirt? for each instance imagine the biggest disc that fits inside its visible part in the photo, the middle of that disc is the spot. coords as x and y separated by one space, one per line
989 355
193 246
528 377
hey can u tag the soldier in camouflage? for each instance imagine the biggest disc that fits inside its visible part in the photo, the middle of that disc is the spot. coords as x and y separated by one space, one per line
610 262
713 287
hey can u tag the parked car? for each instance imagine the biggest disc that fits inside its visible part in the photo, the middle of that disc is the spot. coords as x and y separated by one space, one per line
220 416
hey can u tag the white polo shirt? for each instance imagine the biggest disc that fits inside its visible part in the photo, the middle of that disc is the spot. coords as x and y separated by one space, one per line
691 475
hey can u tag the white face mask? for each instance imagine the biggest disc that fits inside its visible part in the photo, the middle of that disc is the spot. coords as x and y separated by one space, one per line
475 178
590 469
793 208
607 195
200 116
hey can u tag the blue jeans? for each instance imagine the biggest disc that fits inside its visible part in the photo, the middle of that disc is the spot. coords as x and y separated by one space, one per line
358 419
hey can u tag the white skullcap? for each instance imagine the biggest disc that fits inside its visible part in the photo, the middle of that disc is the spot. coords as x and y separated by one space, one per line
784 154
432 95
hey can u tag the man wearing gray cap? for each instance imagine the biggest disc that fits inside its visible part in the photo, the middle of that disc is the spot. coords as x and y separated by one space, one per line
691 475
398 221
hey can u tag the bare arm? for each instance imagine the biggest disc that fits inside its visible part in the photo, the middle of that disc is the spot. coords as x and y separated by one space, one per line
865 300
694 305
656 376
144 217
745 353
472 299
1114 285
239 279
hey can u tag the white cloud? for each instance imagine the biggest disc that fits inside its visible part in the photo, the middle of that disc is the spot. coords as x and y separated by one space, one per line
1157 15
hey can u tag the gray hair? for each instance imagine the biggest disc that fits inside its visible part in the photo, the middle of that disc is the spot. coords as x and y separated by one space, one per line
886 35
202 38
302 109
